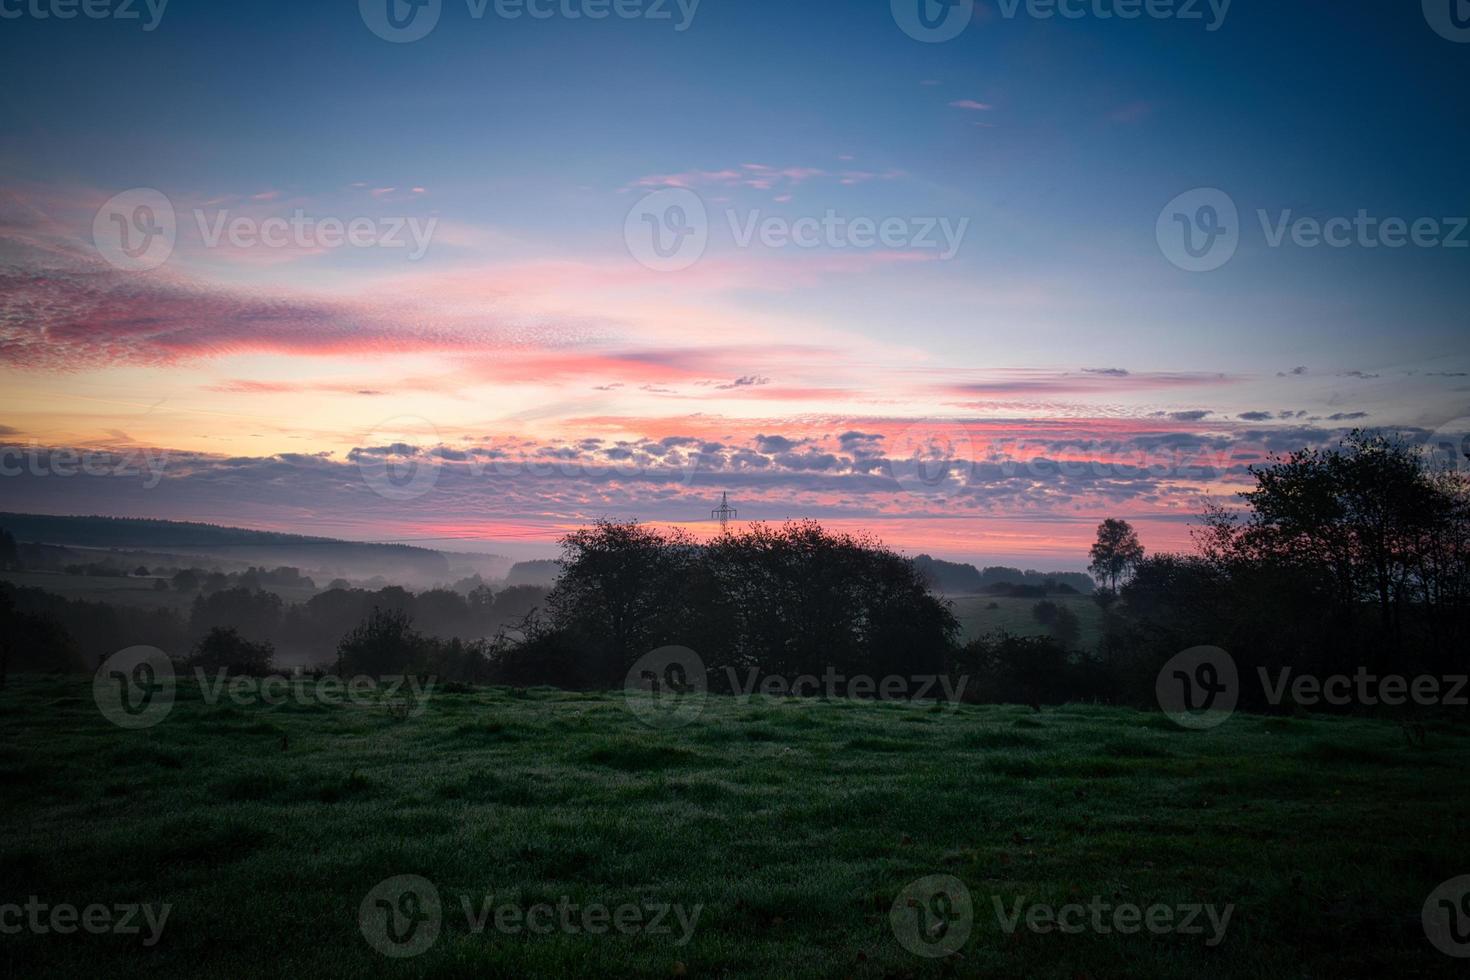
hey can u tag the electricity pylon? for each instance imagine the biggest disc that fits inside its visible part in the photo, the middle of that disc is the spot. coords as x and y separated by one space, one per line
724 512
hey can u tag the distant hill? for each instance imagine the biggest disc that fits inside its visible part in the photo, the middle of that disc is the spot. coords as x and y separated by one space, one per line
540 571
949 576
958 578
354 558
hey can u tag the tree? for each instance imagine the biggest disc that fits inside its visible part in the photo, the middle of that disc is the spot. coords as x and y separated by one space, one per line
225 649
256 614
1116 553
383 643
9 552
620 586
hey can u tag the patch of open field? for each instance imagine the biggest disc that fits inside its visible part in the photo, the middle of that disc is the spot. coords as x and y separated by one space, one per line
792 824
977 617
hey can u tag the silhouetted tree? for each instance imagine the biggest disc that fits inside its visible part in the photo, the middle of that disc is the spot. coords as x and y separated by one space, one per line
223 648
1115 553
384 643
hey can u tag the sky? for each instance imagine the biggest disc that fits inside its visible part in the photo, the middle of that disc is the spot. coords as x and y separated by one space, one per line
966 276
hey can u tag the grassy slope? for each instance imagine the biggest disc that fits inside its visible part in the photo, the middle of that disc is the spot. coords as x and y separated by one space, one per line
794 822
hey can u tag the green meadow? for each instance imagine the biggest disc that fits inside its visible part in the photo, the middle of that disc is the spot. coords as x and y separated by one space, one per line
979 615
791 825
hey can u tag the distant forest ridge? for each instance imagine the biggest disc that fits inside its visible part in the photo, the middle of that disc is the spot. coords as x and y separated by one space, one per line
957 577
954 578
140 532
170 536
161 535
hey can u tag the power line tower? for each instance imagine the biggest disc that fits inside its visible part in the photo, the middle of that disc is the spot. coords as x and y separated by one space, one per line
723 513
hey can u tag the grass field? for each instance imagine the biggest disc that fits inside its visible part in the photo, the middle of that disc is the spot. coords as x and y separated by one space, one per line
1015 616
793 823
